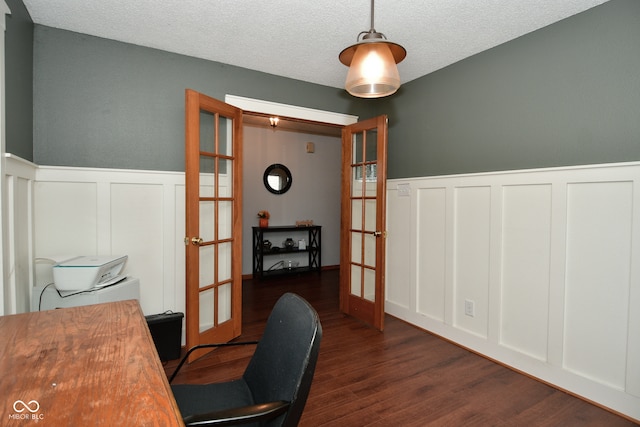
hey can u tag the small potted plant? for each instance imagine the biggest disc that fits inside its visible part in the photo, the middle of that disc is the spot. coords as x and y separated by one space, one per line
263 218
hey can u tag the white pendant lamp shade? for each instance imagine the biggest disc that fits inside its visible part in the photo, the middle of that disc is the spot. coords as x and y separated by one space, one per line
373 72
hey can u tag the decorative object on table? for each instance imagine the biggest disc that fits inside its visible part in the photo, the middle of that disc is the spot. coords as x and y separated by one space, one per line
304 223
263 219
291 265
302 244
288 244
266 245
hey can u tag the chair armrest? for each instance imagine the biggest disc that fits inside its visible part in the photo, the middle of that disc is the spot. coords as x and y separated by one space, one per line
241 415
198 347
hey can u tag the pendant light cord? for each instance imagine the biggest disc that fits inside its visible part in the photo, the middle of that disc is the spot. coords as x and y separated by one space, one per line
372 28
372 33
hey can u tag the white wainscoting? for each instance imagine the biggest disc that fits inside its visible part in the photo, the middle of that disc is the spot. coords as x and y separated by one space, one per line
7 305
549 259
17 217
81 211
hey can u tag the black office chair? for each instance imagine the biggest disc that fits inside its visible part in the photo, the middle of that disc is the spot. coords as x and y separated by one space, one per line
274 387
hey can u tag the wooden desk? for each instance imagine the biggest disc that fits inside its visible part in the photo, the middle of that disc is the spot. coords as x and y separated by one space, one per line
94 365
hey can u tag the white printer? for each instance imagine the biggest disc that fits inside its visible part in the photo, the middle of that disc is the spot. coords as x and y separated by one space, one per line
82 280
86 272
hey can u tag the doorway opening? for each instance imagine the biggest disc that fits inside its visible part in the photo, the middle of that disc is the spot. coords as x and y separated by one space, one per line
315 192
362 207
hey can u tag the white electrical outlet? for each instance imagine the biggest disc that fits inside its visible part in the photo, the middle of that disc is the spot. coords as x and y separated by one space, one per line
469 308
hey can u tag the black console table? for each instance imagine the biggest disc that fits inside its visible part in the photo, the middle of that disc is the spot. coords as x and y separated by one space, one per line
274 260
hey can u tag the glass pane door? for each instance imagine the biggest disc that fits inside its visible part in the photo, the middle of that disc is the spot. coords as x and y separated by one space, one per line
363 214
362 234
215 213
214 251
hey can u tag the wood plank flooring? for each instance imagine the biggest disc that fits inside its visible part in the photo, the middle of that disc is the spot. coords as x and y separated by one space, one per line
401 377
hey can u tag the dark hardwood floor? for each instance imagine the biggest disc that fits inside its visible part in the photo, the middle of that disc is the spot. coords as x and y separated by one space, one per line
401 377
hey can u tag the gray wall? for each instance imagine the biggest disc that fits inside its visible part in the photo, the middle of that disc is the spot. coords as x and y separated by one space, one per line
567 94
101 103
19 80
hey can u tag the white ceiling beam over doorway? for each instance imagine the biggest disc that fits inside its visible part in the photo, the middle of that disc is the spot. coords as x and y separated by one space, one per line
291 111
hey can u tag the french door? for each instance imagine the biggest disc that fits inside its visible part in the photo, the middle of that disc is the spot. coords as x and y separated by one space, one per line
363 235
213 188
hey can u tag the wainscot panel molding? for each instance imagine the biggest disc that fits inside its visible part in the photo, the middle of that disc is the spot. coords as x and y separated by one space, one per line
7 299
86 211
17 218
537 269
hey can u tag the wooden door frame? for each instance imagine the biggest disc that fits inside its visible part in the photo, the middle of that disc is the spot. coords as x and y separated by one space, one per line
232 329
268 108
349 304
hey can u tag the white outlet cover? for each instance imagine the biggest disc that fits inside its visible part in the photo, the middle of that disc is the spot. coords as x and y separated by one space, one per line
469 308
404 189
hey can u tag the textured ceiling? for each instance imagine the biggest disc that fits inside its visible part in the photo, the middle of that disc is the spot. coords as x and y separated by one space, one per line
302 39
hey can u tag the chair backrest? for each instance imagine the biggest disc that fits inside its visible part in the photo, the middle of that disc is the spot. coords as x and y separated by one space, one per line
284 362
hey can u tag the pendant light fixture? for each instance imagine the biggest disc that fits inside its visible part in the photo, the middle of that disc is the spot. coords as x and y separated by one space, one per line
372 64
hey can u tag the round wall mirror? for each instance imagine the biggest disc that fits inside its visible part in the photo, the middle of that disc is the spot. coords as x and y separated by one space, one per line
277 178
